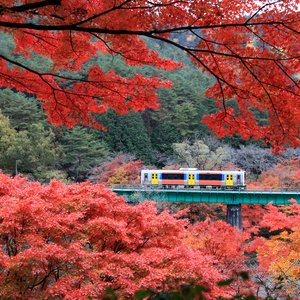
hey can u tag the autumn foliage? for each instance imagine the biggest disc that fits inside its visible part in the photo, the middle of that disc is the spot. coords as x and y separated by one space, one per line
250 48
74 241
285 175
121 170
278 253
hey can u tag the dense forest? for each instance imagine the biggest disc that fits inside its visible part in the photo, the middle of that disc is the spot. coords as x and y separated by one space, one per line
170 135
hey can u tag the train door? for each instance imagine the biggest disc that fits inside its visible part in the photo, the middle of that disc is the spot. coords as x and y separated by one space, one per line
146 178
229 179
154 178
238 179
191 179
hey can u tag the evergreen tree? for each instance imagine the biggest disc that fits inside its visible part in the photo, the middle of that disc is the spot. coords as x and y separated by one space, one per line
128 134
82 150
21 109
186 119
163 137
7 140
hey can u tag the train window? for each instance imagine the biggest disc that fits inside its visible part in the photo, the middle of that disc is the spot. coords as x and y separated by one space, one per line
210 176
238 178
170 176
146 175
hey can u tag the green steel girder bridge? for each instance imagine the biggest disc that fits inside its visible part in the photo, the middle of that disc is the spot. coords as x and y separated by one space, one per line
233 199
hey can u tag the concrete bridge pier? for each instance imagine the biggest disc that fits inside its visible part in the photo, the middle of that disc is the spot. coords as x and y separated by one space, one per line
234 215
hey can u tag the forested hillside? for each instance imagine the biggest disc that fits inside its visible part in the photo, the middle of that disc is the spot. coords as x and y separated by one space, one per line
162 137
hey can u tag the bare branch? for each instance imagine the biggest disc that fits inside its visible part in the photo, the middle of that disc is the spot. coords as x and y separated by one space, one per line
29 6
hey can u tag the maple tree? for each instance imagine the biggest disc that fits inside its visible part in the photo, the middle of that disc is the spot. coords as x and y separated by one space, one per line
122 169
251 48
74 241
278 254
285 175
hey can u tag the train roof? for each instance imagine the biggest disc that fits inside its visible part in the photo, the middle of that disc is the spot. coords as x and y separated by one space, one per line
195 171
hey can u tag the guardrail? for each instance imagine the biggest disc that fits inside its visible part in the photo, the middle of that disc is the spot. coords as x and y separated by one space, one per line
208 196
213 189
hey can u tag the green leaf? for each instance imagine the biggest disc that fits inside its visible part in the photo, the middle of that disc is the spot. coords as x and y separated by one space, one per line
139 295
225 282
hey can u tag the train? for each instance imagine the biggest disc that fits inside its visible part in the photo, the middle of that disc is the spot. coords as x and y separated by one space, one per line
192 178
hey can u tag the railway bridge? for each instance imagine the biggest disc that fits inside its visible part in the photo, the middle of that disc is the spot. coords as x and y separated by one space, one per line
232 198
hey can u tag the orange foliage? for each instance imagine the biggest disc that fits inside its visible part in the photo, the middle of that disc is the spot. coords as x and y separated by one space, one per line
119 170
285 175
279 254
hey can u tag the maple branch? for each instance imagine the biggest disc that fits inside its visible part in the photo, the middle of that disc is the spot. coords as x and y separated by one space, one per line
220 84
53 89
27 69
29 6
267 93
290 28
17 81
235 55
74 27
152 33
166 4
261 8
43 280
102 13
107 45
248 77
40 37
187 50
219 79
264 41
285 73
40 74
276 61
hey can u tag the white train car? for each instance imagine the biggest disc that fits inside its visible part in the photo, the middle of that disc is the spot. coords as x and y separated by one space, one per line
193 178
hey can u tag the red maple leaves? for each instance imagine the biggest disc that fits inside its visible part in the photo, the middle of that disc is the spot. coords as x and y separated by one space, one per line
74 241
251 49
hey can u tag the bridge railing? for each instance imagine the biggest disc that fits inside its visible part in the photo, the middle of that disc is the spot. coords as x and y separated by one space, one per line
213 189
